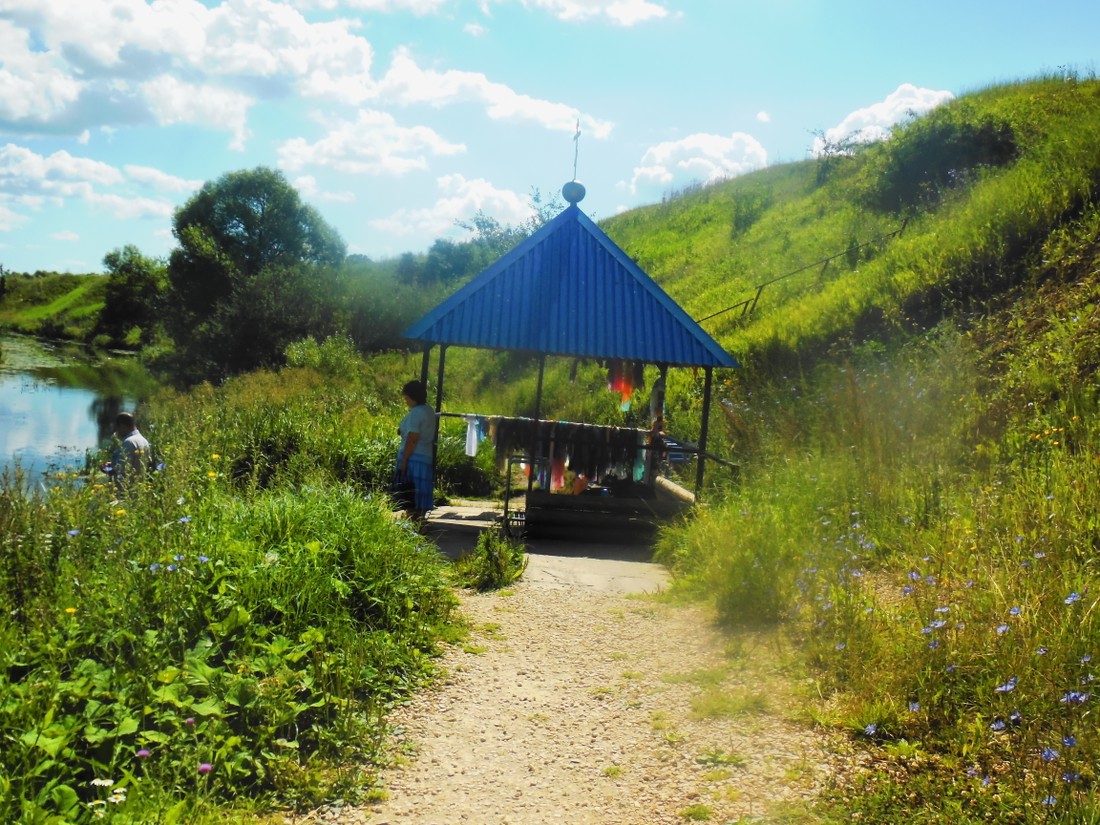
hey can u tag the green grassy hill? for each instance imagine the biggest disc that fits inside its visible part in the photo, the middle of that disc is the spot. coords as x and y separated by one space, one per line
979 185
52 305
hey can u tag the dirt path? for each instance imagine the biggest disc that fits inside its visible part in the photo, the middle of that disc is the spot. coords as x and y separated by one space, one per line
576 700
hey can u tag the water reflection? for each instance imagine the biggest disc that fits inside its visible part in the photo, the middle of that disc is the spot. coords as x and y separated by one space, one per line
56 405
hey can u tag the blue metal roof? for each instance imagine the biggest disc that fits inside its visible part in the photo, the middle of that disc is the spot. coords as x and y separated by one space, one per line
569 290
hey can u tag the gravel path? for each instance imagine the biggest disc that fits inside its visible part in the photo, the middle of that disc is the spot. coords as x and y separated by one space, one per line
576 701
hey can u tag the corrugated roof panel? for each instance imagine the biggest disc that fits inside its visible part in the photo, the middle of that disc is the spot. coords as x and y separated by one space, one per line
569 290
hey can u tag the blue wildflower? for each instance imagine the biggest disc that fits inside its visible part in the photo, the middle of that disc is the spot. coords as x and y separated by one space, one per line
933 644
178 557
1050 801
1042 651
1007 687
203 559
1073 597
1069 740
907 591
1086 658
998 725
74 533
172 568
1070 776
914 576
1049 754
1074 697
939 623
185 519
944 609
871 729
1015 611
154 567
1002 629
914 707
840 645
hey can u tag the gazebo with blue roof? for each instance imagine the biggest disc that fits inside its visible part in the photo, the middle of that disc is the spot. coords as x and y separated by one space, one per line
569 290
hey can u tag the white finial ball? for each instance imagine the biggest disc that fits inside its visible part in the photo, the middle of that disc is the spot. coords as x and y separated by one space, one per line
573 192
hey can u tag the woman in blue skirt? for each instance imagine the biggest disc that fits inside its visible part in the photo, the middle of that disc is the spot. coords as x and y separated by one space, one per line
415 455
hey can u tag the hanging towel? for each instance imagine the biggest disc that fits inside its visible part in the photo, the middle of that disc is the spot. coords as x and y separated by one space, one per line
473 433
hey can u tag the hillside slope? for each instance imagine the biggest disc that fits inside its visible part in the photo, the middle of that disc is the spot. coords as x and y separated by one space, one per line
953 209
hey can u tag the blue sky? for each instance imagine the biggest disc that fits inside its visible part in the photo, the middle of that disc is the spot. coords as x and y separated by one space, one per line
397 118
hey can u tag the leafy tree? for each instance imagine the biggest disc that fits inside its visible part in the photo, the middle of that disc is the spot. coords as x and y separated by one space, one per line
381 303
255 269
134 296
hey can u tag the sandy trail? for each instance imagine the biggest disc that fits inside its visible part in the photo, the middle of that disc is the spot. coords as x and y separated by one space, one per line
579 698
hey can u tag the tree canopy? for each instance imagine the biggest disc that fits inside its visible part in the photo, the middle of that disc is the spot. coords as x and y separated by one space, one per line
252 258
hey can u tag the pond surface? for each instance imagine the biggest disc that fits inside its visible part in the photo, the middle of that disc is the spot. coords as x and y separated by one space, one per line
57 404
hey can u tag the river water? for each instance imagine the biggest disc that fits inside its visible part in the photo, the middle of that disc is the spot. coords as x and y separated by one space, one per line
57 405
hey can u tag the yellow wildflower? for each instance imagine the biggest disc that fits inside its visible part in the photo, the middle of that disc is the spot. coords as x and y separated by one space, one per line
70 610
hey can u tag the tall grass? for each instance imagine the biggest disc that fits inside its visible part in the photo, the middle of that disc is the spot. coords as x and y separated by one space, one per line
235 627
924 520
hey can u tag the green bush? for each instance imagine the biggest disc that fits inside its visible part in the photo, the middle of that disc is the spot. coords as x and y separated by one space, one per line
497 561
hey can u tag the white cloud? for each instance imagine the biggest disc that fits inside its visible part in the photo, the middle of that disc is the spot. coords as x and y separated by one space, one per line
22 168
373 144
875 122
309 190
173 101
65 235
417 7
475 30
700 157
160 180
460 199
124 207
99 62
32 180
406 83
10 220
33 85
763 117
621 12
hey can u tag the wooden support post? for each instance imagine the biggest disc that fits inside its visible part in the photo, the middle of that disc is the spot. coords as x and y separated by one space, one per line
703 432
424 363
438 401
538 414
439 379
538 390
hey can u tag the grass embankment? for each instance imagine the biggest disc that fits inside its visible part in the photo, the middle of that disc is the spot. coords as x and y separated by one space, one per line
52 305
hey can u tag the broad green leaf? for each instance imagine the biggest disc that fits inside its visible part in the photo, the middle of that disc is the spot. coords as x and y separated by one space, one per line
207 707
